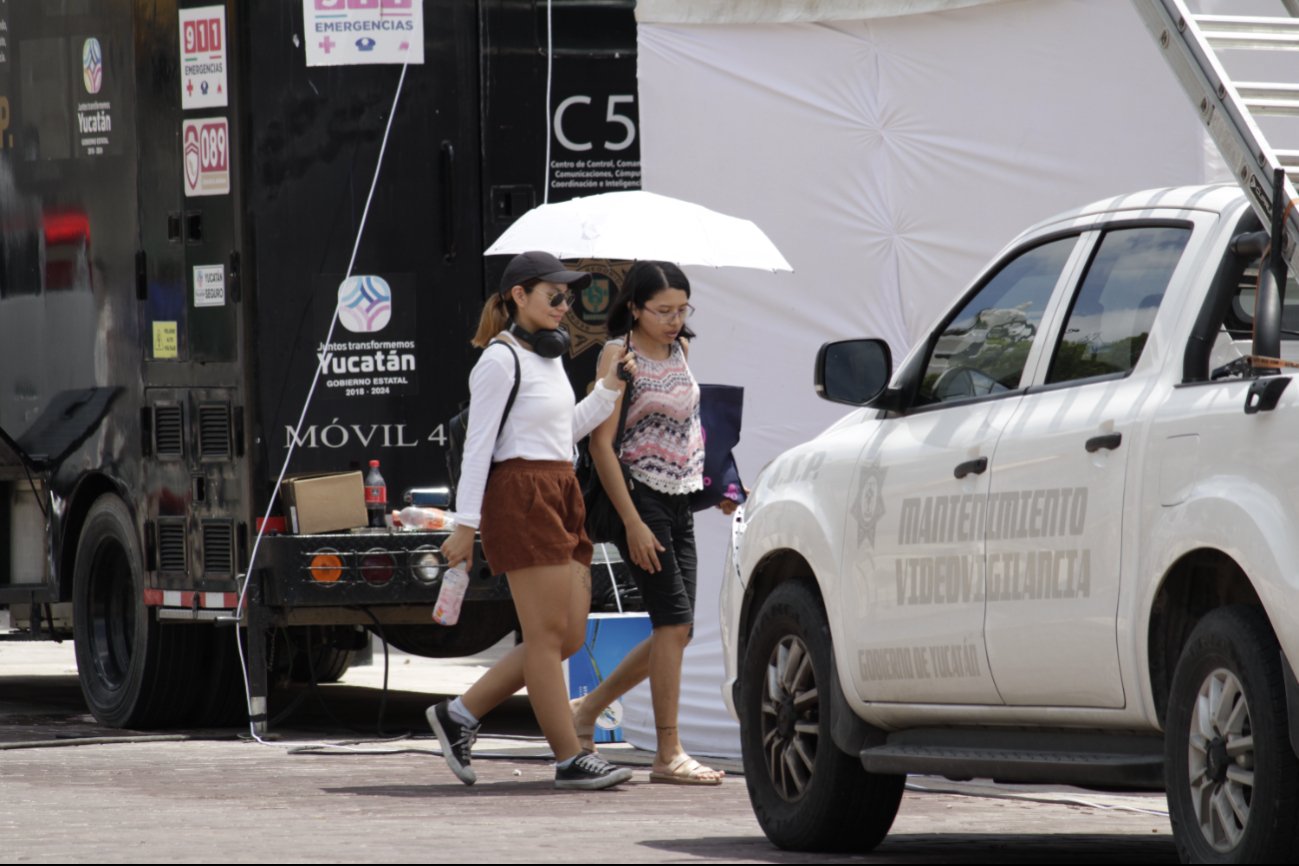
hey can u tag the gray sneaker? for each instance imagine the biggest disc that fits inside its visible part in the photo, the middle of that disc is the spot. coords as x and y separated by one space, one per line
589 772
457 740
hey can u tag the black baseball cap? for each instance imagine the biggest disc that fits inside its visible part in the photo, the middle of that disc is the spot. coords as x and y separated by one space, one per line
543 266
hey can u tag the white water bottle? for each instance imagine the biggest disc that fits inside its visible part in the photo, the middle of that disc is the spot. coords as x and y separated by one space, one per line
452 594
417 517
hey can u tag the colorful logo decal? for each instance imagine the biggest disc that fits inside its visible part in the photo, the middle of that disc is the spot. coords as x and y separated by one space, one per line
364 304
92 65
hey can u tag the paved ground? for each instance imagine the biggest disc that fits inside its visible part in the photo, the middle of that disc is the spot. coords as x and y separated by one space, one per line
221 798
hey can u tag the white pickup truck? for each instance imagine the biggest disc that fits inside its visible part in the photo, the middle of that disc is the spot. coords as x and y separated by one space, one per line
1059 543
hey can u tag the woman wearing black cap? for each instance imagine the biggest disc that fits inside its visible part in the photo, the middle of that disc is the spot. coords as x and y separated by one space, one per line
517 488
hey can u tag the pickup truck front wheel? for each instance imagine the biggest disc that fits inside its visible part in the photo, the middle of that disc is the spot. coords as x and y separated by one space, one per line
806 793
1233 778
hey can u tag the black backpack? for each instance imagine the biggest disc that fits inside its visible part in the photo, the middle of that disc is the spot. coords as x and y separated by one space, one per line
603 524
458 426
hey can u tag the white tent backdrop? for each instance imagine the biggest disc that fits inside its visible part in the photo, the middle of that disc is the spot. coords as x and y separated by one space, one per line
889 159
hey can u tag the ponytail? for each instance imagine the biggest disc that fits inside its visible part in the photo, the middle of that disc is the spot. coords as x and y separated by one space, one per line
498 312
496 316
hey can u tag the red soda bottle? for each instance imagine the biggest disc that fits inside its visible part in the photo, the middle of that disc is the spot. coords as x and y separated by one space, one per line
376 495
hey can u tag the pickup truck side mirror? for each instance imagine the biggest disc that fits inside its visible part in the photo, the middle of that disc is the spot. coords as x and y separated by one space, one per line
855 372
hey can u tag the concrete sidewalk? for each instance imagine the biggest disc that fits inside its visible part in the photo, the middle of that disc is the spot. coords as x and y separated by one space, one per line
407 675
93 794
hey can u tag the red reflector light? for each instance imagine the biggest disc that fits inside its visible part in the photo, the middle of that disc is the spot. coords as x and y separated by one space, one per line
377 567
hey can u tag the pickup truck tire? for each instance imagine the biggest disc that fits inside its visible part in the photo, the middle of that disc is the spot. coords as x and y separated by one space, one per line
807 794
1233 778
133 671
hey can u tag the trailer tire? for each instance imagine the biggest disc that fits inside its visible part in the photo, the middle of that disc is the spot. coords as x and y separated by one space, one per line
482 625
134 672
223 702
322 653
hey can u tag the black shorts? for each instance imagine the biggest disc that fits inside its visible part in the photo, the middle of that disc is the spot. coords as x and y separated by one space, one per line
669 595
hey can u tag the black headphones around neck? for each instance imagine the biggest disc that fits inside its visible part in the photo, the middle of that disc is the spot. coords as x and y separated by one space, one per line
547 343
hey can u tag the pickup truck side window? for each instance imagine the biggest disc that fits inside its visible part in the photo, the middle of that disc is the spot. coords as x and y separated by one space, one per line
982 350
1115 306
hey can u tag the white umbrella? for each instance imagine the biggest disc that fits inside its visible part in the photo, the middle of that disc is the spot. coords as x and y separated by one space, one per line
636 224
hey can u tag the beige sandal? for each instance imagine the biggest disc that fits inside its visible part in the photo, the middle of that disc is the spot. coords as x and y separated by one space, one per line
685 770
585 733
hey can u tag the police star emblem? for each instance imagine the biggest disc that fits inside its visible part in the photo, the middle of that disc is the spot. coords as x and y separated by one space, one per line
867 506
586 320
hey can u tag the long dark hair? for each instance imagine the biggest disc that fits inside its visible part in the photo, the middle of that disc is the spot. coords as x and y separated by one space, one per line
644 280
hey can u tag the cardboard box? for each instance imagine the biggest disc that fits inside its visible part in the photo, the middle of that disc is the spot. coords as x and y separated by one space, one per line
609 637
325 503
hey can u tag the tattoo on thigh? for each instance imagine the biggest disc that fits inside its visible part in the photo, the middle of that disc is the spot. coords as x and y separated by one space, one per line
585 574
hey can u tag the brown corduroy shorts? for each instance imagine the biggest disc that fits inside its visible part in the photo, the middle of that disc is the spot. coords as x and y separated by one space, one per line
533 515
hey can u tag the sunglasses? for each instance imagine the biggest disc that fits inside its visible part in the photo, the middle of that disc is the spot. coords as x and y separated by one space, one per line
569 298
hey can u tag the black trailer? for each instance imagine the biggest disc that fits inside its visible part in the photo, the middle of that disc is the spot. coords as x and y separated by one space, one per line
180 195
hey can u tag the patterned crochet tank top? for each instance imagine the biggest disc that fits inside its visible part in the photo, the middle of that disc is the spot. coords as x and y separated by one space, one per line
663 444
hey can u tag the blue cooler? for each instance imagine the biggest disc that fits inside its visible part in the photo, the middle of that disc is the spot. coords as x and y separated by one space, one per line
609 637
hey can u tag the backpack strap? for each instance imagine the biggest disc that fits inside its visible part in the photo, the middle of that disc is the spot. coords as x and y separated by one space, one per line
514 391
626 404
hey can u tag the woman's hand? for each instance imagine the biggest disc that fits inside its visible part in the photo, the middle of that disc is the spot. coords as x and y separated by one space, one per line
643 547
728 506
622 359
459 546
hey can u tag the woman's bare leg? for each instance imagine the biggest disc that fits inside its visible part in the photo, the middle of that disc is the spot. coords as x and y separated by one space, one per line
506 677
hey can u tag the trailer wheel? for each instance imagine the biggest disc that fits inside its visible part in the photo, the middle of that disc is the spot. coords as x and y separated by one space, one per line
324 652
133 671
223 702
482 625
807 794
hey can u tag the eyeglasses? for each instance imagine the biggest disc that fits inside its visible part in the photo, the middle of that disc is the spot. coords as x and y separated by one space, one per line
667 316
559 298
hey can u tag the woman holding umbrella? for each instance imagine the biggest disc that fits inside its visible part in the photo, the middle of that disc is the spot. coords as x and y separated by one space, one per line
662 449
517 486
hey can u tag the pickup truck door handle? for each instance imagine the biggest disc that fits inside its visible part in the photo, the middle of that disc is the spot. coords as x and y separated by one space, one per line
972 467
1108 442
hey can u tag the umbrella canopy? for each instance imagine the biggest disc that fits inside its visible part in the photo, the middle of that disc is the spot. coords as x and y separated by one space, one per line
635 224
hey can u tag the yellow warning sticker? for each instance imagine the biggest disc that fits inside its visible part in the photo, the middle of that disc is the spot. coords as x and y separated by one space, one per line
164 340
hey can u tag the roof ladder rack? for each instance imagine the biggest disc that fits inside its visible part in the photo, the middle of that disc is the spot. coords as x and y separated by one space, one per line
1231 111
1191 45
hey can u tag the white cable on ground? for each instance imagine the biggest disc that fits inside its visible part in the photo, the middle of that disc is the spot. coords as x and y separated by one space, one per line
293 443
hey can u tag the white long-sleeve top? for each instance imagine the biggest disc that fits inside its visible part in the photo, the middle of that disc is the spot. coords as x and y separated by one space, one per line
544 422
